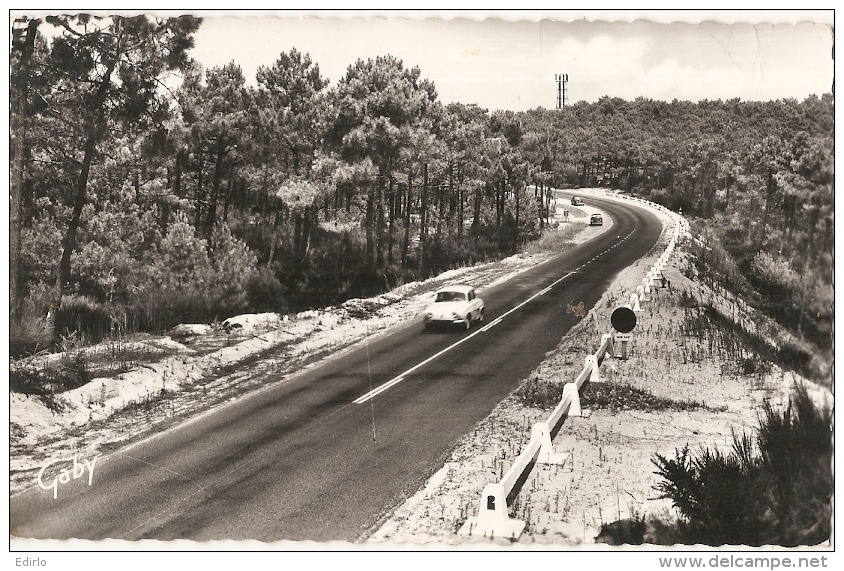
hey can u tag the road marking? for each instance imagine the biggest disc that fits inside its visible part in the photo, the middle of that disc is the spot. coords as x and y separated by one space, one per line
490 325
396 380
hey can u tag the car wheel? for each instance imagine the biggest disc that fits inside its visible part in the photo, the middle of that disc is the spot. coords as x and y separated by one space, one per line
467 323
481 315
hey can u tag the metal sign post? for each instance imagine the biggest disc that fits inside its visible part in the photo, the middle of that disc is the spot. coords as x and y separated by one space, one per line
623 321
624 338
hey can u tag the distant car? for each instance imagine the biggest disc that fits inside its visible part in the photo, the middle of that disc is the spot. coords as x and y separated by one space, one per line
577 201
596 220
454 305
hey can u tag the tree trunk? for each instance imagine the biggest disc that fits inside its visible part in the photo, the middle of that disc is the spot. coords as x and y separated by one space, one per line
769 198
199 190
407 210
23 51
814 216
370 216
451 197
499 207
516 233
423 231
93 132
727 192
381 224
272 238
307 226
228 194
391 229
460 205
211 217
477 211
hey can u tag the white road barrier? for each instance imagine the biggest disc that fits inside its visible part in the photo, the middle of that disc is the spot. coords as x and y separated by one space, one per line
493 519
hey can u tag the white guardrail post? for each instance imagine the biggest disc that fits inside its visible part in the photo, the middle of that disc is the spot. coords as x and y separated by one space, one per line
608 343
594 373
634 302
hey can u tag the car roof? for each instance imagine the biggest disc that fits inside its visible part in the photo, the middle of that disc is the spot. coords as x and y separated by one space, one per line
461 288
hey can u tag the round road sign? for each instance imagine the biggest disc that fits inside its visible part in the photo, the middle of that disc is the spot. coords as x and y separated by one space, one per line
623 319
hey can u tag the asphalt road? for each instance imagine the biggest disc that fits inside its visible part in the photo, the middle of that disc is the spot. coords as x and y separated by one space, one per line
301 459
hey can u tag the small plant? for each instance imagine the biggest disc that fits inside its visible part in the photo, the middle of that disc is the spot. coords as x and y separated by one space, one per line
774 490
65 374
616 397
541 394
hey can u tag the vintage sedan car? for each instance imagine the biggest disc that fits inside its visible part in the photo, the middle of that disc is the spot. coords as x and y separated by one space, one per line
577 201
596 220
454 305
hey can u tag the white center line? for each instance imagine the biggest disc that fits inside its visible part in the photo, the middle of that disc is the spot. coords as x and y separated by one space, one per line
399 378
396 380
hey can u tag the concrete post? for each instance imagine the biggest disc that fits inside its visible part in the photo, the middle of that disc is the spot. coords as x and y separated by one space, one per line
546 455
634 302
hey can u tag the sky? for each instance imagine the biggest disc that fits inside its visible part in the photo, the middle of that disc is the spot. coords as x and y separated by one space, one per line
508 59
501 64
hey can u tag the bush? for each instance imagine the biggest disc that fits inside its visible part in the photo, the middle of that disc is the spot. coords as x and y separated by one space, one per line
90 318
194 281
606 395
232 266
265 292
778 496
32 331
539 393
554 240
158 310
66 374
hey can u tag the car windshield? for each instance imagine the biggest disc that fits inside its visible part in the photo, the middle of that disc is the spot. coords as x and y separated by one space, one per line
450 296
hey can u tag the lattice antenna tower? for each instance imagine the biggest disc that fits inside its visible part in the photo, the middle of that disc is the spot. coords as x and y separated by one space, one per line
562 79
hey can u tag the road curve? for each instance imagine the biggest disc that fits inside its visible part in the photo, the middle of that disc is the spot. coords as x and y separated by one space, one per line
300 459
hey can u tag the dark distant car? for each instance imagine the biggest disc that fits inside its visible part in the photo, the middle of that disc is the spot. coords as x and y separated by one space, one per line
596 220
455 305
577 201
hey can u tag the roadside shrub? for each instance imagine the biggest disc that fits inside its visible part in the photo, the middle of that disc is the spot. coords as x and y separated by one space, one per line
616 396
794 357
265 292
554 240
41 248
795 446
772 490
232 265
31 332
194 281
85 315
774 276
65 374
183 259
606 395
539 393
158 310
